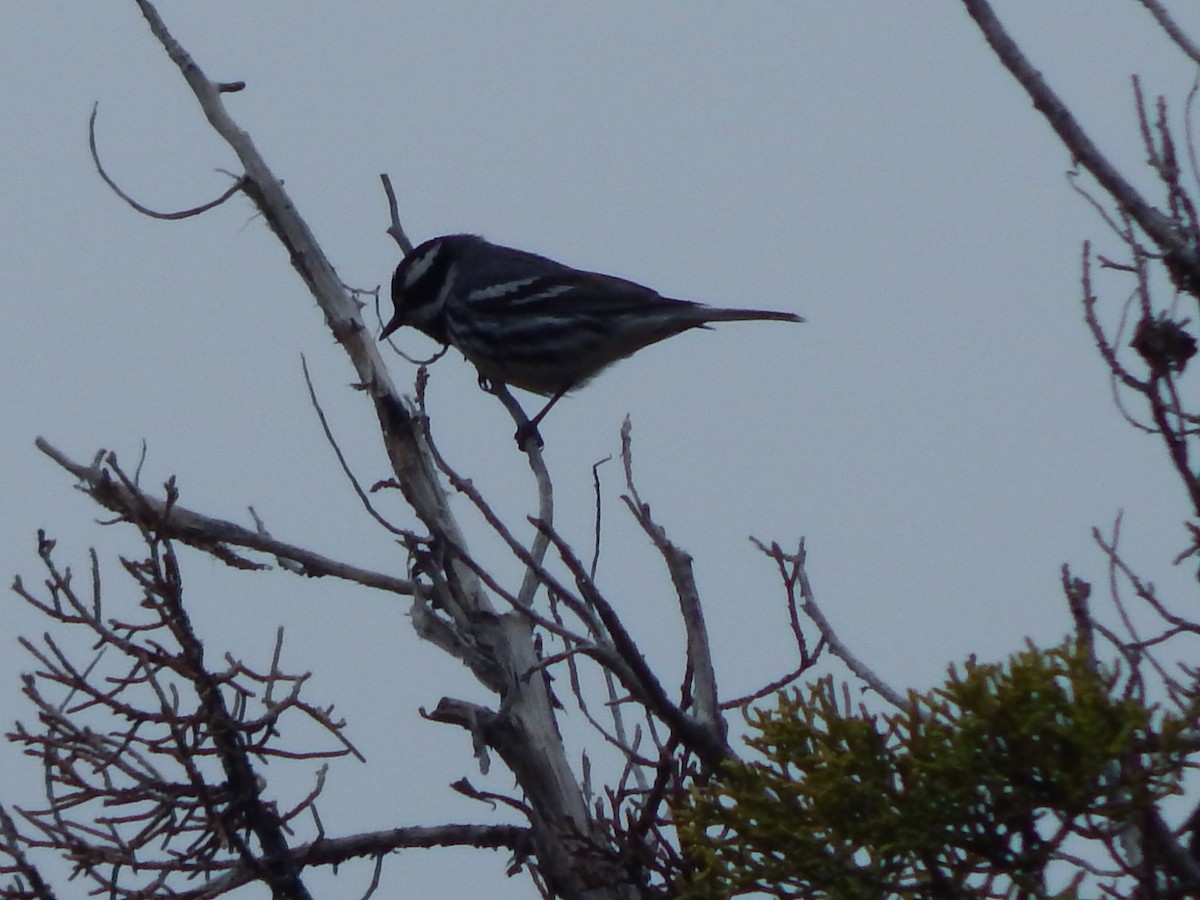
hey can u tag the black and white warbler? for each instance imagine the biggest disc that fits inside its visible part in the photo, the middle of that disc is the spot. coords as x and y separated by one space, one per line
534 323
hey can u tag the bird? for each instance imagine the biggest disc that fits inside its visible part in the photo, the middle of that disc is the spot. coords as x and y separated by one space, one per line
530 322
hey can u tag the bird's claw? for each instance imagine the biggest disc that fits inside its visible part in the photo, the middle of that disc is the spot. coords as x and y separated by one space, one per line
527 432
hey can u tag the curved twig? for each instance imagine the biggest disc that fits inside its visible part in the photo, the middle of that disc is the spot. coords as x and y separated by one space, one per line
771 687
238 184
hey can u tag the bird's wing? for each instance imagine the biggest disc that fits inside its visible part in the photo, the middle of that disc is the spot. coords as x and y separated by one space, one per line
505 281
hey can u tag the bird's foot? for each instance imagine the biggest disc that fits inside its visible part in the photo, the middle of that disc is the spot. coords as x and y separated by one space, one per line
528 437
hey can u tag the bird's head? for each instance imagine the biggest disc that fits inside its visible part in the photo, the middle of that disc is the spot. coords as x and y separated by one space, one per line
422 283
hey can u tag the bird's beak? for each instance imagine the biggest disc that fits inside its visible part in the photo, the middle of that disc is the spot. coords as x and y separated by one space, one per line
391 327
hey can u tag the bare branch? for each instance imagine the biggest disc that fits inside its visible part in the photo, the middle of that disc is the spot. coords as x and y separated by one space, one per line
1156 224
1106 348
1171 27
703 737
208 534
541 476
396 230
679 565
334 851
125 755
813 611
413 470
10 846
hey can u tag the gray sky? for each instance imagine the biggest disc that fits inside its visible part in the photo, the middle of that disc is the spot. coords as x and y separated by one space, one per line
941 430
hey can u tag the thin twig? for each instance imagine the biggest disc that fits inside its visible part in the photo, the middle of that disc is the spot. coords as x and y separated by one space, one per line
341 457
836 646
704 737
238 184
679 566
770 688
396 230
599 506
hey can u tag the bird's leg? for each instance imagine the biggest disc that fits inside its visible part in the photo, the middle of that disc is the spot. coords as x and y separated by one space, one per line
533 423
529 427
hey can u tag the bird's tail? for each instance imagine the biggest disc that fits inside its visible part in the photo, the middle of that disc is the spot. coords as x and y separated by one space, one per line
724 314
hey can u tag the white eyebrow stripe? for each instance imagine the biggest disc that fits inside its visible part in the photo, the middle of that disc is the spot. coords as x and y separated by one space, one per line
416 271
